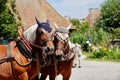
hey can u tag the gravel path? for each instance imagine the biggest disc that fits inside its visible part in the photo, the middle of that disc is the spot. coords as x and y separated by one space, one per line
93 70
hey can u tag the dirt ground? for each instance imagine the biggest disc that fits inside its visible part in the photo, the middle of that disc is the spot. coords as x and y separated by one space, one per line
95 70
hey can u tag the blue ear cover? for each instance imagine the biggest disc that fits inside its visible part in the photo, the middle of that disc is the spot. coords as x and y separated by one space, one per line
48 22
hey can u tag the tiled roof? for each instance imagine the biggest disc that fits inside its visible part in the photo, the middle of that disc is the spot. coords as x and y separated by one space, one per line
29 9
92 16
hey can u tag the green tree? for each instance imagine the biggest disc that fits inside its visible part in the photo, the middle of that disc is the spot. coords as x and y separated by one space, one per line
81 33
8 25
110 13
99 36
75 21
83 27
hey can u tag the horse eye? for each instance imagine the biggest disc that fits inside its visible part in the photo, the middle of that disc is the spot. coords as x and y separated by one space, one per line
40 31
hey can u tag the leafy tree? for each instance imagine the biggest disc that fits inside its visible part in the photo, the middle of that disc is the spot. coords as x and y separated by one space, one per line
99 36
110 17
81 33
74 21
8 25
117 33
110 14
83 27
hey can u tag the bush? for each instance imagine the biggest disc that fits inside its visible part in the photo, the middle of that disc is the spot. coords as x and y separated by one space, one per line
98 54
78 37
104 54
116 55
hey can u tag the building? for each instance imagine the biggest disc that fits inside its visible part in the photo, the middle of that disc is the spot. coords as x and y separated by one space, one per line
29 9
92 16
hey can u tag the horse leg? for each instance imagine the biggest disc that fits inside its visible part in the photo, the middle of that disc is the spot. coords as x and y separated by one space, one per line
79 63
23 76
43 76
37 77
74 63
52 77
66 76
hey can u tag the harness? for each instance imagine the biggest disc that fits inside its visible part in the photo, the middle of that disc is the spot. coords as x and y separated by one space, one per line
10 59
21 45
24 48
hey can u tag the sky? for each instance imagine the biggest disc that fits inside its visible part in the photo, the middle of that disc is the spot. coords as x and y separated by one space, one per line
74 8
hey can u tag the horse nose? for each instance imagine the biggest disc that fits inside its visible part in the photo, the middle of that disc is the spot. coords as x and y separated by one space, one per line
49 50
59 56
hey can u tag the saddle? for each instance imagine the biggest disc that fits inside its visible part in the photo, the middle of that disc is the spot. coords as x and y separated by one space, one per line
23 45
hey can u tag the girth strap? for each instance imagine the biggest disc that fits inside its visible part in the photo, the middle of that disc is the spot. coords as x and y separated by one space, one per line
10 59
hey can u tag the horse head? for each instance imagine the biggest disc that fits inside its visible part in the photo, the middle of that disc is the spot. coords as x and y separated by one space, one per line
44 36
61 41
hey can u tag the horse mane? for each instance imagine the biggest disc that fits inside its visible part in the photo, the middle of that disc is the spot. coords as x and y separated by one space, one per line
30 33
62 33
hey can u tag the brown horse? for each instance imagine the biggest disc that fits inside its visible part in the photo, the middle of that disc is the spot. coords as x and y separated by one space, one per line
63 59
14 65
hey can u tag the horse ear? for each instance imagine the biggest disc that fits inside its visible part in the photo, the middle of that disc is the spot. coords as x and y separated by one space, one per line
56 27
48 22
53 30
38 22
69 26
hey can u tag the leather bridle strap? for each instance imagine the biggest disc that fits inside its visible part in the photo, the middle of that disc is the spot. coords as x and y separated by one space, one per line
43 42
61 48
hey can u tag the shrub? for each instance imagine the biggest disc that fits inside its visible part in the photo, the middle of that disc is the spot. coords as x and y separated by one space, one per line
103 54
98 54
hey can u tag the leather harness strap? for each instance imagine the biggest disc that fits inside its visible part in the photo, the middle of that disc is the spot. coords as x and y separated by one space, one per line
10 60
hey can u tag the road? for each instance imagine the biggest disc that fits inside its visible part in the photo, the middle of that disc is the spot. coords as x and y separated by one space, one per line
95 70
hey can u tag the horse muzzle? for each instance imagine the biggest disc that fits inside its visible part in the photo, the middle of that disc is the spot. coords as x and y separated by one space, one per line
49 50
59 56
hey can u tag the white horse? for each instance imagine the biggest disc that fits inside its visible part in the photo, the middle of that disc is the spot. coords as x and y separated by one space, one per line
76 49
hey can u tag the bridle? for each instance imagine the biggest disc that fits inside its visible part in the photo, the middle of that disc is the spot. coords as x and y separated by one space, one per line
45 48
43 42
64 41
